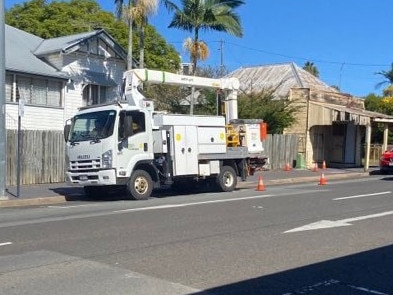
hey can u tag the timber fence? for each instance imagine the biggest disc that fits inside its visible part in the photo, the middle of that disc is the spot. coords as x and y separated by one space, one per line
43 155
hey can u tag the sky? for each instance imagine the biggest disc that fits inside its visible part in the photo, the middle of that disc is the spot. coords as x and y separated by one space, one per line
349 41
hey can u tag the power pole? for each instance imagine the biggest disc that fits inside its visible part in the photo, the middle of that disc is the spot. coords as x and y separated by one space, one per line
221 58
3 135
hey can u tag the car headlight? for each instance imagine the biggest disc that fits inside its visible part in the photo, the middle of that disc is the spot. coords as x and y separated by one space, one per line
107 159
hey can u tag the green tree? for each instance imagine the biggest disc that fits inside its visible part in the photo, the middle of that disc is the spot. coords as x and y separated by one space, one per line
387 75
136 13
197 15
277 113
311 68
56 19
373 102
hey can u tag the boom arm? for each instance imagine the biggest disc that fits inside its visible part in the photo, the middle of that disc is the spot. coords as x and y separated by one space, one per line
135 77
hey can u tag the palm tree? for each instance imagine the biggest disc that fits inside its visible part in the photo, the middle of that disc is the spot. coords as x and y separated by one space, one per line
388 76
136 12
198 50
311 68
197 15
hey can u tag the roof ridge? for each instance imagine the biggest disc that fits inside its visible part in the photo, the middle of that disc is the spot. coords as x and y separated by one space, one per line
296 74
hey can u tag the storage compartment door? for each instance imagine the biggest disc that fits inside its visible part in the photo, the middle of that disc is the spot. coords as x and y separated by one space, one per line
185 140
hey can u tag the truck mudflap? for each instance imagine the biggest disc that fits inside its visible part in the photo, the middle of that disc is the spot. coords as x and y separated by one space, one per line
102 177
257 163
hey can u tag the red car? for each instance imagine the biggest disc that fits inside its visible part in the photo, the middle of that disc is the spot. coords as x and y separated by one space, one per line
386 162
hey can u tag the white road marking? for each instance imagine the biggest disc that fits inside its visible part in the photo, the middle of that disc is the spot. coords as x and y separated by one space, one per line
5 244
367 290
330 223
363 196
321 285
74 206
191 204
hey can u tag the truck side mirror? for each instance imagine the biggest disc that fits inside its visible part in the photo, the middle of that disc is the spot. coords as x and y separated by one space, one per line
66 132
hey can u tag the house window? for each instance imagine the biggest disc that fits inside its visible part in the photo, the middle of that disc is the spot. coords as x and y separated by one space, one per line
94 94
34 90
9 87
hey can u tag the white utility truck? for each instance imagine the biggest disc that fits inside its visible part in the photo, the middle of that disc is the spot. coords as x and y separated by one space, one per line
126 143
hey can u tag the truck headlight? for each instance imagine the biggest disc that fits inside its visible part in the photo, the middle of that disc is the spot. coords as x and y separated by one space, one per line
107 159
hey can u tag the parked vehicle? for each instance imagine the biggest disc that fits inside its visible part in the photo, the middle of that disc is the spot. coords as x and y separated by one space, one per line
141 149
386 162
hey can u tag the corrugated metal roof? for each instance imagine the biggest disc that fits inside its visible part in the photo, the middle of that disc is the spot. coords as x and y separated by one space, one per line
24 50
62 43
71 43
19 57
281 77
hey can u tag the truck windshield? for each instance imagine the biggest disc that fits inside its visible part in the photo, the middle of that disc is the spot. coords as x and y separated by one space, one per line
92 126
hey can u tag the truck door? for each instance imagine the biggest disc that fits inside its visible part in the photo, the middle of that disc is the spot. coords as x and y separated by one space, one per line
185 156
134 143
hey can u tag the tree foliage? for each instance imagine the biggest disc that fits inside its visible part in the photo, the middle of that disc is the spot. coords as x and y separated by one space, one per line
61 18
373 102
136 13
387 75
195 16
311 68
277 113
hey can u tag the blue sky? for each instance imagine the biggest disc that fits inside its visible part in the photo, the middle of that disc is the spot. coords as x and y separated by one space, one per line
348 40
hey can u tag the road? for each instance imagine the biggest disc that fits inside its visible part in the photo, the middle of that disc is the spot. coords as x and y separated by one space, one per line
292 239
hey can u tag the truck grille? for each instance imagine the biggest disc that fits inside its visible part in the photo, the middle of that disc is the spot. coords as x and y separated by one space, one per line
85 165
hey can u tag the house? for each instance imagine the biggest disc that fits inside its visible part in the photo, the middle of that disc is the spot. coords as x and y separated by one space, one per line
50 79
333 127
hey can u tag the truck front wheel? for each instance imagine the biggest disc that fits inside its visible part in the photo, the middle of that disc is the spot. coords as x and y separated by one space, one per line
227 179
140 185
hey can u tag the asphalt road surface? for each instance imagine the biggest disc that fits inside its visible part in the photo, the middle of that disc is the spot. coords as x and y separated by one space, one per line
295 239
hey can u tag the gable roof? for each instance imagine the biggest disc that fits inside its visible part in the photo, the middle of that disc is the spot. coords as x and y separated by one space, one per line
281 77
25 51
19 48
67 44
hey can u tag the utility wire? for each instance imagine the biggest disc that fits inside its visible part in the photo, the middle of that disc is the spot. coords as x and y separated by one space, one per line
296 57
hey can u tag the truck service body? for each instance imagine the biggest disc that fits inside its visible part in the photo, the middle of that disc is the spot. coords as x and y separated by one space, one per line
126 143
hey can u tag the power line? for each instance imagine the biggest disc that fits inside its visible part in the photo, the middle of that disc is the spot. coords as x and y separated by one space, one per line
297 57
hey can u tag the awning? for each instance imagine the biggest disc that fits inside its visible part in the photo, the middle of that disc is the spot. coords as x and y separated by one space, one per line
102 79
359 116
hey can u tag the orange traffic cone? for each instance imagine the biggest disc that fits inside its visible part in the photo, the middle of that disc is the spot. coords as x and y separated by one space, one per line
322 181
315 169
323 165
261 186
287 167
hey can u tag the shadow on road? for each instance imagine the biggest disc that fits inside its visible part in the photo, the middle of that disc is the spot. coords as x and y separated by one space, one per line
365 273
120 194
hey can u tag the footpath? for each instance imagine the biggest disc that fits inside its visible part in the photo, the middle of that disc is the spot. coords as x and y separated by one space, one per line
58 193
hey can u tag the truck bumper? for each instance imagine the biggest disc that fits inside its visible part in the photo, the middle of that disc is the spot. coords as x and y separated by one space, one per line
103 177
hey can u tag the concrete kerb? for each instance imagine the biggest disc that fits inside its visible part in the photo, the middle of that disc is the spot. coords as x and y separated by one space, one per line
33 202
305 179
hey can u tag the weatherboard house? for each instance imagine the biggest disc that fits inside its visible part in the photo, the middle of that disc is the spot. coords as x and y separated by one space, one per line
47 80
331 126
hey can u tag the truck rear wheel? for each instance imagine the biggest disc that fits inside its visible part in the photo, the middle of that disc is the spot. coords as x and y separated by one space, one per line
227 179
140 185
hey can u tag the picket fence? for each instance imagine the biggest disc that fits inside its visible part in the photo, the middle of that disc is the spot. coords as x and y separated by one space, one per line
43 155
